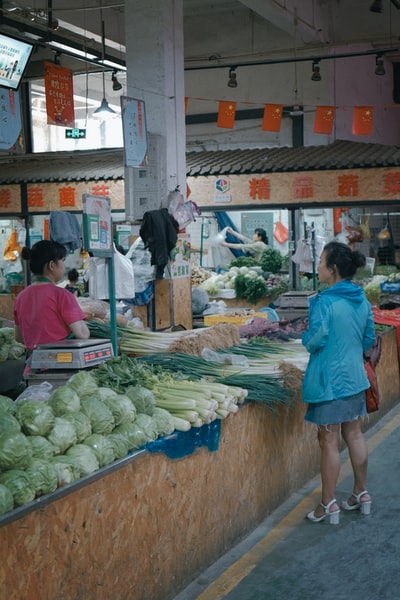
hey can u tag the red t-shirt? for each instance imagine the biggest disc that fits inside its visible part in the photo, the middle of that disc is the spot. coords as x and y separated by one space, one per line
44 312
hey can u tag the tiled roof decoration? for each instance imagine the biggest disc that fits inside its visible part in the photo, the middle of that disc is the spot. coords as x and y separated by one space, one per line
109 164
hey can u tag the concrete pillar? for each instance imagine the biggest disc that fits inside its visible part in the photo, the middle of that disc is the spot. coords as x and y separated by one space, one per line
155 74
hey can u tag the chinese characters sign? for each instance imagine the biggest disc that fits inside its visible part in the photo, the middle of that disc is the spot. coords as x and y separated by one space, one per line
134 131
10 121
59 95
299 188
97 223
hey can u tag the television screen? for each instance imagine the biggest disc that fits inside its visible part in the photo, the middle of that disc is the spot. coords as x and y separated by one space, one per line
14 58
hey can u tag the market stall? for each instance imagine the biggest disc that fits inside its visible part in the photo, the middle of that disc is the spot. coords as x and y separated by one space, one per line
147 524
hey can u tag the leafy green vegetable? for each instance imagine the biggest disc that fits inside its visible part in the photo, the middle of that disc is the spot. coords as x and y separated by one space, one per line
43 476
35 417
82 425
7 405
8 423
148 425
142 398
41 447
134 435
82 382
119 444
10 349
163 420
271 260
15 451
243 261
64 400
102 448
121 406
251 289
67 470
6 499
62 436
19 484
84 457
100 416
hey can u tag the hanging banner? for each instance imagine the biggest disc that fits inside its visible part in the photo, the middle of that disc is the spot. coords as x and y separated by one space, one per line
59 89
272 117
226 114
134 131
11 137
362 120
324 117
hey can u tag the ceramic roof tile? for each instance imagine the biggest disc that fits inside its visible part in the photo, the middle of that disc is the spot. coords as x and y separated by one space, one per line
109 164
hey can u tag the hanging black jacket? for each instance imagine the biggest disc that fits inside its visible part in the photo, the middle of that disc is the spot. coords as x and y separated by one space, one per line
159 232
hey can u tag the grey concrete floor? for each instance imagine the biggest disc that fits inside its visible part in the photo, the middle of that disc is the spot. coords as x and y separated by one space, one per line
289 558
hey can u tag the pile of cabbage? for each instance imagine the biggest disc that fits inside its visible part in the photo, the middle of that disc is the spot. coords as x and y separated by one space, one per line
81 427
10 349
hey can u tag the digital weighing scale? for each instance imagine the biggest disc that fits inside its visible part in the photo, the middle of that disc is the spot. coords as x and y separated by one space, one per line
56 362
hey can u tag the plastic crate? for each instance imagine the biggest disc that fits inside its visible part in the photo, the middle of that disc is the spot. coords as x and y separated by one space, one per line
233 319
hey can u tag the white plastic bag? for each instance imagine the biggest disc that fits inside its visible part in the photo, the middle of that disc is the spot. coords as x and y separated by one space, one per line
124 277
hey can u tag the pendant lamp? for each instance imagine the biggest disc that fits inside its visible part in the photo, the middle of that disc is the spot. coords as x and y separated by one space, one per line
104 111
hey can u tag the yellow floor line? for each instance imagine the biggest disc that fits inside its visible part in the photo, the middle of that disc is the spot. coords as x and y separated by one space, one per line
242 567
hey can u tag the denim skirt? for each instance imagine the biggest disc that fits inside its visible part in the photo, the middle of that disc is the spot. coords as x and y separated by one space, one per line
337 411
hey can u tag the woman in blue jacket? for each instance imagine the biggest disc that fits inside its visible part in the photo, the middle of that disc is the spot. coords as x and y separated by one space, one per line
341 328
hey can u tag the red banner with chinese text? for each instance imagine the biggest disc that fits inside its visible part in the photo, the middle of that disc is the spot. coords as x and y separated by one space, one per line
363 117
323 121
226 114
272 117
59 95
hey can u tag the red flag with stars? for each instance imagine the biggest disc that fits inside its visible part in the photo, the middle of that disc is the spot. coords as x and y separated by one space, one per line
226 114
324 117
363 117
272 117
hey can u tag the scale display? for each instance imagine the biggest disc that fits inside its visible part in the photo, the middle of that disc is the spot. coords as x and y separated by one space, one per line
71 354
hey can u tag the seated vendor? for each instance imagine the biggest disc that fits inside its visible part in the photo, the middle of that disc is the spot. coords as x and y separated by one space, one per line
45 312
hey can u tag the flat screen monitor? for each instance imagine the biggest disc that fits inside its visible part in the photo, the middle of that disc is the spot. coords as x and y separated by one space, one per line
14 57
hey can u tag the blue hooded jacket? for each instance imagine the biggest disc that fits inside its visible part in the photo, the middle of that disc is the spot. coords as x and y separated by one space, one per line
341 328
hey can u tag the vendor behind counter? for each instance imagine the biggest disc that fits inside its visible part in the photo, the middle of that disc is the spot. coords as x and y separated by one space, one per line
44 312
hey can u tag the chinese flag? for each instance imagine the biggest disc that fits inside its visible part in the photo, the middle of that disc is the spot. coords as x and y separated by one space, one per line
272 117
226 114
186 104
363 117
323 122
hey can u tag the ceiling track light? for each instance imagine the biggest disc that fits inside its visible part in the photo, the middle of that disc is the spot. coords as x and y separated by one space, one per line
232 81
380 68
116 84
376 6
316 75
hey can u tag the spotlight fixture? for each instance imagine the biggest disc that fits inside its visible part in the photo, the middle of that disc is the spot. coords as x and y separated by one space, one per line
116 84
376 6
316 75
232 82
379 69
